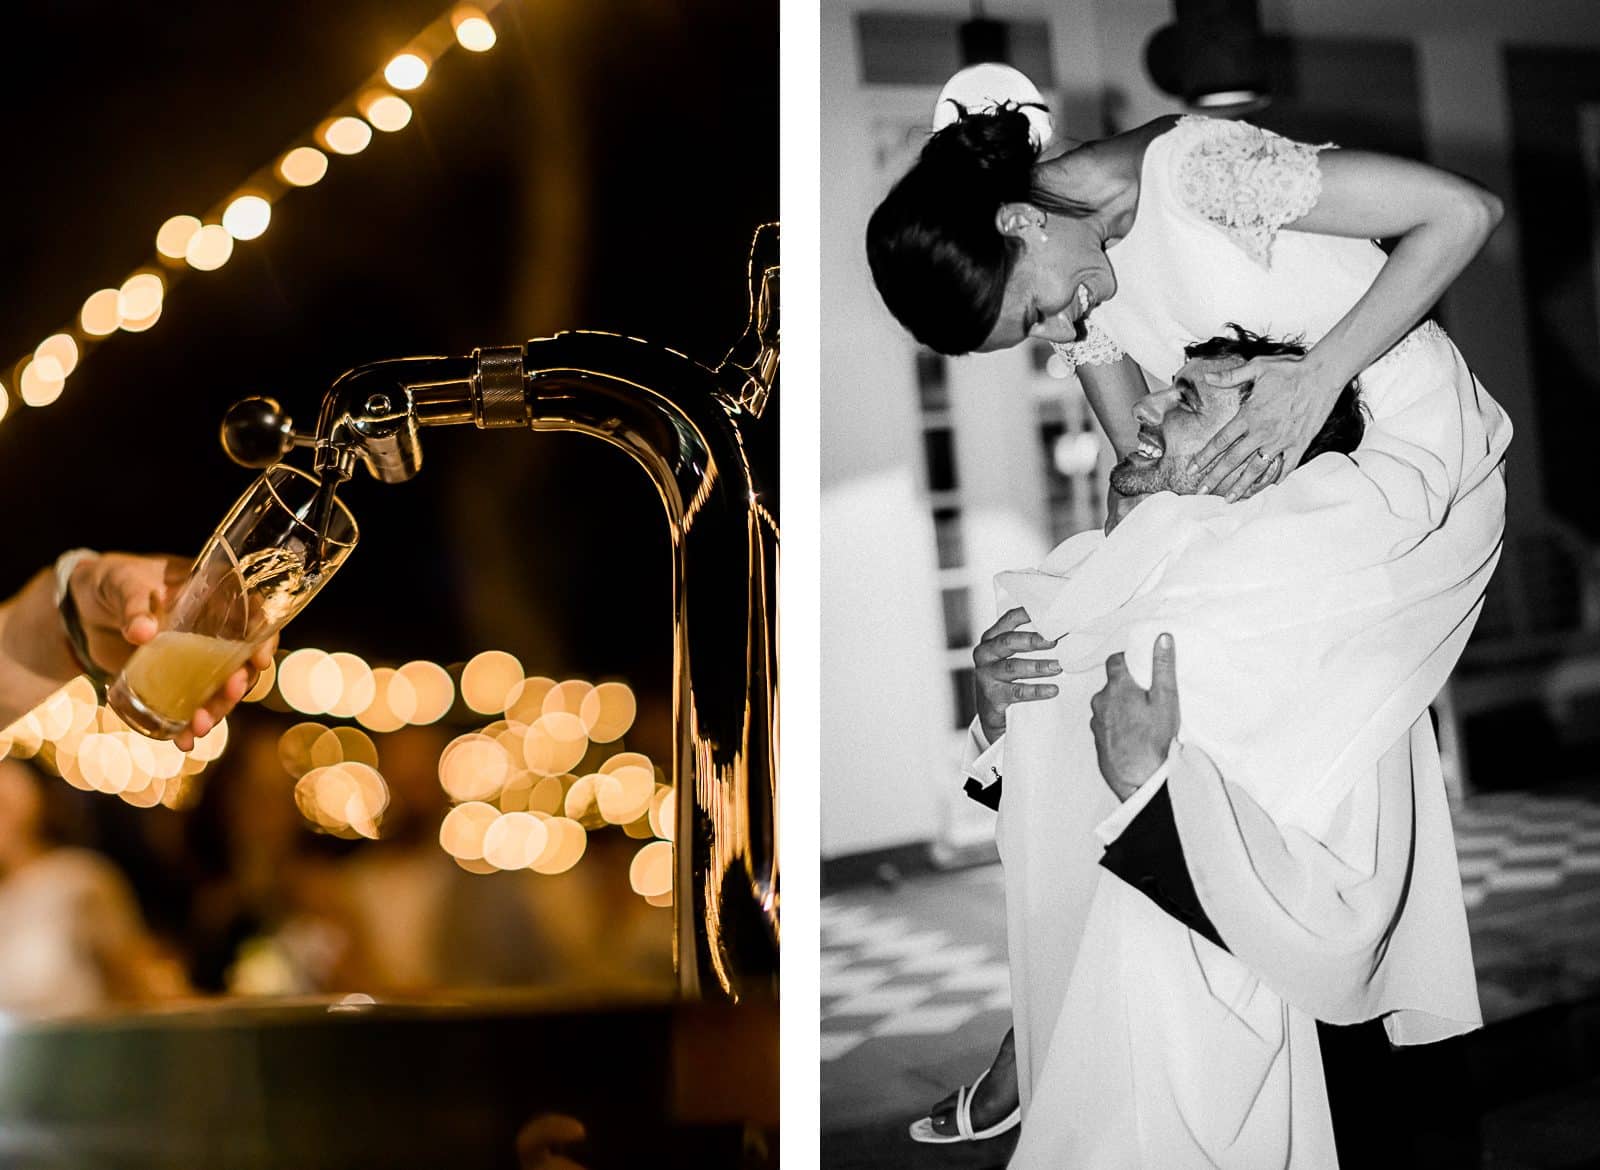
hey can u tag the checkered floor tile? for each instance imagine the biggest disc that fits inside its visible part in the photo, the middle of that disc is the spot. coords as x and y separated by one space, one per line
900 964
1517 841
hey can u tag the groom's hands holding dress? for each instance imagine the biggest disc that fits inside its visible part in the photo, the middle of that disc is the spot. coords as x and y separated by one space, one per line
1133 728
1002 677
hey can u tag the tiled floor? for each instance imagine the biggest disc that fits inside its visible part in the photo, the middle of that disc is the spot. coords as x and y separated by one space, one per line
915 992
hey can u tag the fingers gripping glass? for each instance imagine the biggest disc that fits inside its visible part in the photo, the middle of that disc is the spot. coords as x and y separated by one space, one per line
259 569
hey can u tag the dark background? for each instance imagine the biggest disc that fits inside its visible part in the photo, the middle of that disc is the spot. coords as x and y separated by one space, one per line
602 167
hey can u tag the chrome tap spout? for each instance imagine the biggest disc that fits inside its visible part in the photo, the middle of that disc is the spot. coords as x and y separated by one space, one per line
699 433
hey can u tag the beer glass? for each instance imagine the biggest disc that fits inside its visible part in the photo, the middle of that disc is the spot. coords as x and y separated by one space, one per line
264 562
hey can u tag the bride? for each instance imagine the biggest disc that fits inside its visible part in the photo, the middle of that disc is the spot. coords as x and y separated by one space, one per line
1118 252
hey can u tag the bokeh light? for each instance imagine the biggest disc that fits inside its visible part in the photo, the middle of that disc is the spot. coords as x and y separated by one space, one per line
488 681
386 111
548 794
473 767
357 688
567 698
140 324
303 166
462 831
473 31
346 135
295 747
172 239
379 716
140 296
211 745
406 71
580 802
650 874
623 796
662 812
101 314
525 703
515 840
566 846
263 684
208 249
247 217
432 691
554 744
608 711
41 382
63 349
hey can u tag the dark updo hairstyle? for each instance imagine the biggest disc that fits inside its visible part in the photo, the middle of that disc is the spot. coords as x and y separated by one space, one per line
940 263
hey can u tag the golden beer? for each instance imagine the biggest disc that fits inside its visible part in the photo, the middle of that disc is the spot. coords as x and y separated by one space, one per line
168 679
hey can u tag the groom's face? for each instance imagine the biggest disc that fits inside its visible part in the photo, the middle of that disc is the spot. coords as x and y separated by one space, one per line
1174 424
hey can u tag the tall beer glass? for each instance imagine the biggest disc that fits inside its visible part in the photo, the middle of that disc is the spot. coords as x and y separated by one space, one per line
260 568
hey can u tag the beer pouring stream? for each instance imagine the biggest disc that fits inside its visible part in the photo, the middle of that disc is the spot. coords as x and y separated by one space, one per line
698 433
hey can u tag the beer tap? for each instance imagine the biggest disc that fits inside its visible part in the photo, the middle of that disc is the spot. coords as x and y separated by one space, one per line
693 428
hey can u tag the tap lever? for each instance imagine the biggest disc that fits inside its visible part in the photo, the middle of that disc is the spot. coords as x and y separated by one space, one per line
256 433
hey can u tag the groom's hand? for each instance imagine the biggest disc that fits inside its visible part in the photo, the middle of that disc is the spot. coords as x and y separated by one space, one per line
1002 677
1133 728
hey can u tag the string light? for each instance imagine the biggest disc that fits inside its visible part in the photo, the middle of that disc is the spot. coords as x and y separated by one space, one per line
345 135
406 71
101 314
203 246
172 241
208 249
41 382
473 32
386 111
62 348
303 166
247 217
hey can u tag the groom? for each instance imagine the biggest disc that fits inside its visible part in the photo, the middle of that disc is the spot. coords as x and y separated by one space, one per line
1134 728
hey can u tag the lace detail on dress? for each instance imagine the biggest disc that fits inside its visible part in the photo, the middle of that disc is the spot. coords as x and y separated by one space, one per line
1429 329
1248 181
1096 349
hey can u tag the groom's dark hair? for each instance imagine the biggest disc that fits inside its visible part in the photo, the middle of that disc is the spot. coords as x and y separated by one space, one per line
1346 422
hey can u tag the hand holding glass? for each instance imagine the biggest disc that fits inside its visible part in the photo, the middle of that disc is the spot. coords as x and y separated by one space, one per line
259 569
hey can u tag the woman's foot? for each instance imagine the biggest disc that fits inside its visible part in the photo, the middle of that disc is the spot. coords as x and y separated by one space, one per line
995 1099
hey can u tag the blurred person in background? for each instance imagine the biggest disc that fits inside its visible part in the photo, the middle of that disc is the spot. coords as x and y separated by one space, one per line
423 923
268 918
71 936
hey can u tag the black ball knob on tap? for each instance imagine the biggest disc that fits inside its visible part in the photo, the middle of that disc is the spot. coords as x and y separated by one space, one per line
255 432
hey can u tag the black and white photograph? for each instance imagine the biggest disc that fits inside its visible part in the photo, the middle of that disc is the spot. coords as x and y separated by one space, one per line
1210 590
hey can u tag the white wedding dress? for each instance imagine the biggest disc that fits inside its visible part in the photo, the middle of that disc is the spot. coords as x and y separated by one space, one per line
1314 623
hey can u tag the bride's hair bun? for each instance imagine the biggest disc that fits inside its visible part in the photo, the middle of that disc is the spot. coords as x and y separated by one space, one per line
995 143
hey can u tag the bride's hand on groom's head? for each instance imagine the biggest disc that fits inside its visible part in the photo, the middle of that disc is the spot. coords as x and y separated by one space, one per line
1001 677
1134 728
1289 401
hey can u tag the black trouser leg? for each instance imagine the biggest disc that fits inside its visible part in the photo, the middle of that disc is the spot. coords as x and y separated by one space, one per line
1409 1107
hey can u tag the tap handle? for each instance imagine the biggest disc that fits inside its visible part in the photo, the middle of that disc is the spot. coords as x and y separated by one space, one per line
256 433
751 366
763 277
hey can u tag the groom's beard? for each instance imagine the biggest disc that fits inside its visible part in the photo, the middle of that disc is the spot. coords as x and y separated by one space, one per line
1138 475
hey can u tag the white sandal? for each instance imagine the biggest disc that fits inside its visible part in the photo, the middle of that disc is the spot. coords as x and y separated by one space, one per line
922 1128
